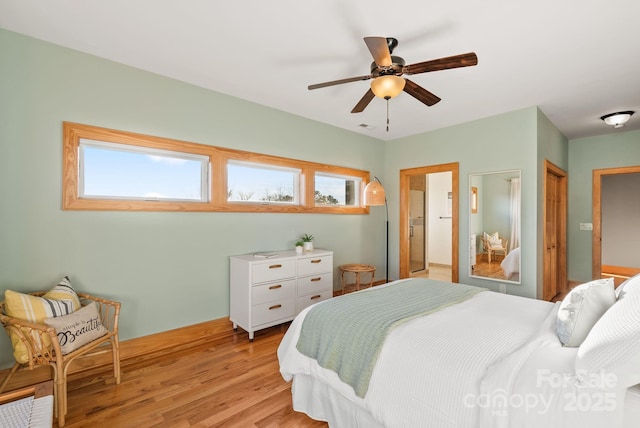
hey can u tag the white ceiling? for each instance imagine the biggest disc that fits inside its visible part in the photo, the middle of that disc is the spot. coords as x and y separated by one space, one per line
575 59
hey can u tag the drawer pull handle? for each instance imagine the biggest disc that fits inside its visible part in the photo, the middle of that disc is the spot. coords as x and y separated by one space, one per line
316 279
316 261
275 307
273 287
317 296
275 266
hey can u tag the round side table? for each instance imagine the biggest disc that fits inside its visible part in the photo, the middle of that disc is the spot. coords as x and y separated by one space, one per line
356 269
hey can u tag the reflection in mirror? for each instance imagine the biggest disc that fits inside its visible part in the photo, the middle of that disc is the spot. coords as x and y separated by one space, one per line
494 226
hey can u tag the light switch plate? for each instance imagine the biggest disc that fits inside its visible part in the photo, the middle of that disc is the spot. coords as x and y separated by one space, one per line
586 226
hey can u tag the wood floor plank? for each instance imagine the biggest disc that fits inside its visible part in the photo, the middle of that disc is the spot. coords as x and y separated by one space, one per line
229 382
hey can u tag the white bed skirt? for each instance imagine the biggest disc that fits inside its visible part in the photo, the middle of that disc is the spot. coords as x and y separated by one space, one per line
320 402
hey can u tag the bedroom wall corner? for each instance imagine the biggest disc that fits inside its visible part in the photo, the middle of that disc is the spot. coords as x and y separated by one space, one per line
553 146
497 143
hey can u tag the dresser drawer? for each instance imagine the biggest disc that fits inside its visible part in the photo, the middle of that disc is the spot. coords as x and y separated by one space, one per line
315 283
273 271
273 291
310 299
273 311
311 265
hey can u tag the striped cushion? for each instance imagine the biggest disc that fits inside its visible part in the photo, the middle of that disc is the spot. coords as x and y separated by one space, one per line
60 300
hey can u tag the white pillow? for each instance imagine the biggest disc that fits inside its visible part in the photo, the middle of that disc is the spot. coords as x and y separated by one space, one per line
493 239
619 290
582 308
613 344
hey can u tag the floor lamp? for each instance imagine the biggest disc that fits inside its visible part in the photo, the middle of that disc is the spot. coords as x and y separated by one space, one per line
374 196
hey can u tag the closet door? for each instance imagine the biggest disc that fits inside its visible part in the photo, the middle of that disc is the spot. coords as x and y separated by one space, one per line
555 203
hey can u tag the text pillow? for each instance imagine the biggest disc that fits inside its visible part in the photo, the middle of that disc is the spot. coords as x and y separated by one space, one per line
60 300
582 308
79 328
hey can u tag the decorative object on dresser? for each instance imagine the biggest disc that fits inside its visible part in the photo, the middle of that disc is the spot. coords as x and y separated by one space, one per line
307 242
270 290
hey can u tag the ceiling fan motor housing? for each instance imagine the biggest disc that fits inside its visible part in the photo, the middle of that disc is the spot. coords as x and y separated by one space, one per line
397 64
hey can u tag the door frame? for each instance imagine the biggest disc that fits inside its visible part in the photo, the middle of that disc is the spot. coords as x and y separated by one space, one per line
405 191
596 246
561 243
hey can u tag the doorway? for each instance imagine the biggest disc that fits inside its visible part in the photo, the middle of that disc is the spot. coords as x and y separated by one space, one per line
615 202
415 217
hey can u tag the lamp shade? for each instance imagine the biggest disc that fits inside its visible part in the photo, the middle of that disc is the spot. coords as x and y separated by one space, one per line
617 120
374 194
387 86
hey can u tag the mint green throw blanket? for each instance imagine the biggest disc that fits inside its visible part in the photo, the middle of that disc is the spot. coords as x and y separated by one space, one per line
345 334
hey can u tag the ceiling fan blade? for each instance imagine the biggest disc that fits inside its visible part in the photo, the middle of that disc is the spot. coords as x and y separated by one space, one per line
463 60
339 82
364 102
379 50
419 93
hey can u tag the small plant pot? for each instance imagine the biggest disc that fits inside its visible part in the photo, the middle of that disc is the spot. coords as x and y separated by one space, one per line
308 246
299 250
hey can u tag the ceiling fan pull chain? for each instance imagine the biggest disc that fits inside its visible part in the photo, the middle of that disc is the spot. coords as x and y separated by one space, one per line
387 98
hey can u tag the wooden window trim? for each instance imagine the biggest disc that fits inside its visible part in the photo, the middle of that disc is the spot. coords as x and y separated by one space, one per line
218 157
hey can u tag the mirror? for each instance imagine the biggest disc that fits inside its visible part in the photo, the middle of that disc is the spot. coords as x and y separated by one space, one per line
494 226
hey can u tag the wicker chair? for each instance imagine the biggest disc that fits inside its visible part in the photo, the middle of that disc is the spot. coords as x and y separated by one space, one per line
32 336
496 248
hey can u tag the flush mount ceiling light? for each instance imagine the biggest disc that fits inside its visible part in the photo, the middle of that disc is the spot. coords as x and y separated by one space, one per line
617 120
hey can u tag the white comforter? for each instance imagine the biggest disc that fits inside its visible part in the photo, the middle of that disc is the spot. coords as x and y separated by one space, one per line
511 263
444 369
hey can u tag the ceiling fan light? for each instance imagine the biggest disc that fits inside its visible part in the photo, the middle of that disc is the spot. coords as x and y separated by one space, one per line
387 86
617 120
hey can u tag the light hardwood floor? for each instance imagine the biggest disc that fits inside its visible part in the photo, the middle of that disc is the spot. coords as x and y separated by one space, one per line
229 382
437 272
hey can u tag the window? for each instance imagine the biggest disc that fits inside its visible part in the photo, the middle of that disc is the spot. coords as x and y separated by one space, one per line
106 169
119 171
253 182
337 190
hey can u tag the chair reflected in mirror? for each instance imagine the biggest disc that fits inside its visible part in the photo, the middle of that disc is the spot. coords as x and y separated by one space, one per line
495 245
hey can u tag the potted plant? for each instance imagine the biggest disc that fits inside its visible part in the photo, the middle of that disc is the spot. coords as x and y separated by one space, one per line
299 245
307 242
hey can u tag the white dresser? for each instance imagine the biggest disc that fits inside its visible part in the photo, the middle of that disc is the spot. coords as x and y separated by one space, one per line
265 291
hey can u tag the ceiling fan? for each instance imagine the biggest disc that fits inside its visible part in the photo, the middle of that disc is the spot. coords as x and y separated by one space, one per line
387 69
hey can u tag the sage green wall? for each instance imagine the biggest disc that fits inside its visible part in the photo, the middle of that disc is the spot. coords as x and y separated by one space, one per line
171 269
617 149
168 269
504 142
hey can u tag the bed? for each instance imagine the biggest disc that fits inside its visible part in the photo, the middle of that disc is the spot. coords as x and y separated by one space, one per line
486 360
511 265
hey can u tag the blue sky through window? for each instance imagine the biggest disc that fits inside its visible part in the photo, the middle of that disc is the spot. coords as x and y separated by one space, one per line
116 173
